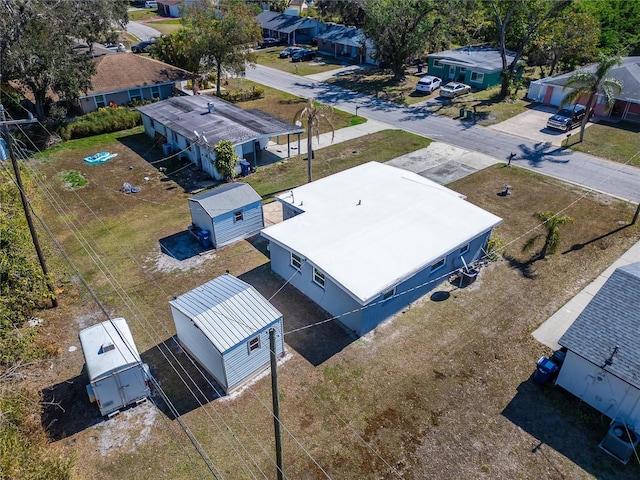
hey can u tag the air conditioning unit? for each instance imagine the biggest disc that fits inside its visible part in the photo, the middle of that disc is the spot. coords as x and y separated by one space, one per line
620 442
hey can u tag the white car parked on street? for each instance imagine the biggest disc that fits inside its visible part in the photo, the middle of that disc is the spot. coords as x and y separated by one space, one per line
428 84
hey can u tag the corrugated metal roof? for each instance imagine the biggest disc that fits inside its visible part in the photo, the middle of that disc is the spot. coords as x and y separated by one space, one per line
610 320
374 225
190 114
101 362
227 198
227 310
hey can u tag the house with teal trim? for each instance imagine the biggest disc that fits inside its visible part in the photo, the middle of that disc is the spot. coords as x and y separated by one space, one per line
477 66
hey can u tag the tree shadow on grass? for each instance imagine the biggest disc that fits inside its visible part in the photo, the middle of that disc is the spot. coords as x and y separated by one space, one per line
579 246
526 268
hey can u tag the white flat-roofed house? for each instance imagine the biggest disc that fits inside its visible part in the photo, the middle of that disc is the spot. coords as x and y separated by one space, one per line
366 242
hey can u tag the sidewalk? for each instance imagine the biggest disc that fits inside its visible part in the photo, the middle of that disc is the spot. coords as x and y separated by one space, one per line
550 331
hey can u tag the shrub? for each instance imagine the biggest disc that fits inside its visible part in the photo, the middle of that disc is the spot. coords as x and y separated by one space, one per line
244 95
103 120
226 158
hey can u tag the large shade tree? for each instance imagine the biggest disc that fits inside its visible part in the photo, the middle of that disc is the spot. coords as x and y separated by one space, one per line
181 50
516 24
399 29
592 84
314 114
222 31
37 40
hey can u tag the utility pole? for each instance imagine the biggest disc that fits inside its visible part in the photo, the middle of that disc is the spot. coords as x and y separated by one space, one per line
276 401
25 202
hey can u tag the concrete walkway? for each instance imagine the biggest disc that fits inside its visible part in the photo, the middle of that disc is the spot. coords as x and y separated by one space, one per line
550 331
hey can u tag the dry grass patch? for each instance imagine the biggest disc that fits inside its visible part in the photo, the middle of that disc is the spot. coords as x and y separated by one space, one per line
322 63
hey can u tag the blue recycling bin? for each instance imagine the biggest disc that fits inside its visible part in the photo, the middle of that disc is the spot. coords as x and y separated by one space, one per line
245 167
545 370
205 238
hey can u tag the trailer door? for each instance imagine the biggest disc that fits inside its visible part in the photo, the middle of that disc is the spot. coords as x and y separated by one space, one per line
108 394
133 384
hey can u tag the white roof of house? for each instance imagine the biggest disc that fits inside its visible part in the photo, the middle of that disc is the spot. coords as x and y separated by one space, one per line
97 342
372 226
227 310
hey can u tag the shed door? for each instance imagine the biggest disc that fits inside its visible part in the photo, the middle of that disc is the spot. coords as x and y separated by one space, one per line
108 394
132 385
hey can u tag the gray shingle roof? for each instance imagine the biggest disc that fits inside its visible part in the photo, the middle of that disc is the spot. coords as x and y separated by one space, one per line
628 73
227 198
485 58
343 34
282 23
612 318
186 115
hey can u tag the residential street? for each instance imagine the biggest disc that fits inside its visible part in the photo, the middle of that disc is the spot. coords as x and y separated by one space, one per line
593 172
142 31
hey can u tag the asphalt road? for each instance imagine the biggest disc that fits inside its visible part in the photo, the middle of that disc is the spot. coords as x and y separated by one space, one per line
141 31
596 173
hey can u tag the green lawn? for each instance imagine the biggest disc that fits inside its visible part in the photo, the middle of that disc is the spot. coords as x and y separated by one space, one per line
619 142
269 58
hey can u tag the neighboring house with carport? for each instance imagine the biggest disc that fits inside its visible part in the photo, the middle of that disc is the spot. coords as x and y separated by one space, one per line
341 41
477 66
291 29
192 125
602 363
224 325
121 78
366 242
228 213
551 91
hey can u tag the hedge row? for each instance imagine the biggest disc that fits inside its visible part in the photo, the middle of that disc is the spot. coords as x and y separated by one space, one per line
103 120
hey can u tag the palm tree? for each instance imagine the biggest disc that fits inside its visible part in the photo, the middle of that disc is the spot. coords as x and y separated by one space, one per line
314 113
583 82
552 223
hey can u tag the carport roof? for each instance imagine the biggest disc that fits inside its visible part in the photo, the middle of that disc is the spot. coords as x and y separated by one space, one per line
628 72
373 226
607 329
190 114
280 22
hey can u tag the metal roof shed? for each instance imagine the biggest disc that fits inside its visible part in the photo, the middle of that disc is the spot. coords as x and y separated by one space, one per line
224 324
229 213
117 375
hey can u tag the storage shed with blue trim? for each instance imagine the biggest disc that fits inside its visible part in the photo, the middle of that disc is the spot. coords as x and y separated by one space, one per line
224 325
229 213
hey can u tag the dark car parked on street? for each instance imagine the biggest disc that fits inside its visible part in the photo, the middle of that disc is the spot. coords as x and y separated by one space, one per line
142 46
303 55
287 52
567 118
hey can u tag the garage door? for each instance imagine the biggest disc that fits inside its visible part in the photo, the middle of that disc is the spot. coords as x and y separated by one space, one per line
557 95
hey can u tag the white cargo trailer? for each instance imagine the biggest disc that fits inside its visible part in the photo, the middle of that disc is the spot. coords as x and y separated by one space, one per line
117 375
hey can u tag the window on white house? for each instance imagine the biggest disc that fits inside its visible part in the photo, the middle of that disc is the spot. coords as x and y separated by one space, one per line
318 277
135 94
296 261
155 91
389 293
237 216
477 77
464 249
101 102
254 344
437 265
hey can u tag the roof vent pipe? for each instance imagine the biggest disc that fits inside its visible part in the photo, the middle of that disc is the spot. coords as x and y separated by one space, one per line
211 107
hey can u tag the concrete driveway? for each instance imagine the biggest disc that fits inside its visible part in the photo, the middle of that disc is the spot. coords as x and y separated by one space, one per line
532 125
